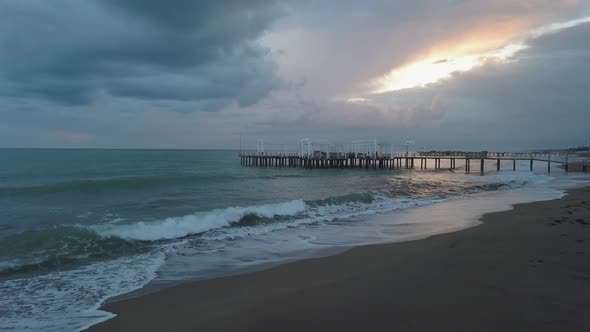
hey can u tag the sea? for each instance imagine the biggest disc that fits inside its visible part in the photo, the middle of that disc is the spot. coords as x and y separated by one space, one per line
81 226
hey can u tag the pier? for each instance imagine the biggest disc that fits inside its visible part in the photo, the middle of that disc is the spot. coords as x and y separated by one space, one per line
425 161
327 156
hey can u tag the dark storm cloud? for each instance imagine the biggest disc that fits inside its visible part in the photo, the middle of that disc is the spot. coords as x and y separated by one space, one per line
72 51
132 73
566 40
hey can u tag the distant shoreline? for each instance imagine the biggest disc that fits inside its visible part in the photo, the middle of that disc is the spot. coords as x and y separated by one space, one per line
523 269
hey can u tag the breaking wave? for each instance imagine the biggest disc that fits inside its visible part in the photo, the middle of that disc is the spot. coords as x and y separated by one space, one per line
178 227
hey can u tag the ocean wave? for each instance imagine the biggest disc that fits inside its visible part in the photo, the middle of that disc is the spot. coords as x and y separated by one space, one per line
74 244
60 246
109 184
361 197
66 245
178 227
126 183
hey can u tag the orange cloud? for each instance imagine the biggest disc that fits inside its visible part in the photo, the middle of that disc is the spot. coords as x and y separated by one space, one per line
485 41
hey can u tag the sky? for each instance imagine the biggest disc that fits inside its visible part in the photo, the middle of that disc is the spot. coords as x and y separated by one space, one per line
447 74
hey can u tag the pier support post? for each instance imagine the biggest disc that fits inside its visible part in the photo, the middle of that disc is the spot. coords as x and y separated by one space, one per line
498 165
482 161
531 165
514 164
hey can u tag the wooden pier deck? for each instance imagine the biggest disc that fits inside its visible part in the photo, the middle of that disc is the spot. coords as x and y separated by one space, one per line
424 160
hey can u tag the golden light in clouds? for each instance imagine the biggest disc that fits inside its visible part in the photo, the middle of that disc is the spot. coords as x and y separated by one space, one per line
436 68
498 44
356 100
462 53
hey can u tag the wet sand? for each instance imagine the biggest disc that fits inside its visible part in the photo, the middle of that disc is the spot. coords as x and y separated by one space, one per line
527 269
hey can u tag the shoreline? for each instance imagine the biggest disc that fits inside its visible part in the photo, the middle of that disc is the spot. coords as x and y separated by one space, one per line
458 213
521 269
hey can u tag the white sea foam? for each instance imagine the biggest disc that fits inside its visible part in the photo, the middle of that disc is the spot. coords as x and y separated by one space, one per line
514 179
69 300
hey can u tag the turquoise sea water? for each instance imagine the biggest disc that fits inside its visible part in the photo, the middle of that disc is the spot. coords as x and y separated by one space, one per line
80 226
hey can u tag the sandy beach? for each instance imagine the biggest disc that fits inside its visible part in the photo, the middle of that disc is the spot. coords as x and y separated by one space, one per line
526 269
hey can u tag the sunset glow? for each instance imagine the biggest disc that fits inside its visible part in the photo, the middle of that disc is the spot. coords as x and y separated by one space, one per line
436 68
463 56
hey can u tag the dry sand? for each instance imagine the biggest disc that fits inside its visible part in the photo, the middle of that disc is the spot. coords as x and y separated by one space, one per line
527 269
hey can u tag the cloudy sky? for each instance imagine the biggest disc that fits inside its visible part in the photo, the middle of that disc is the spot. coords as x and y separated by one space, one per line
493 74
